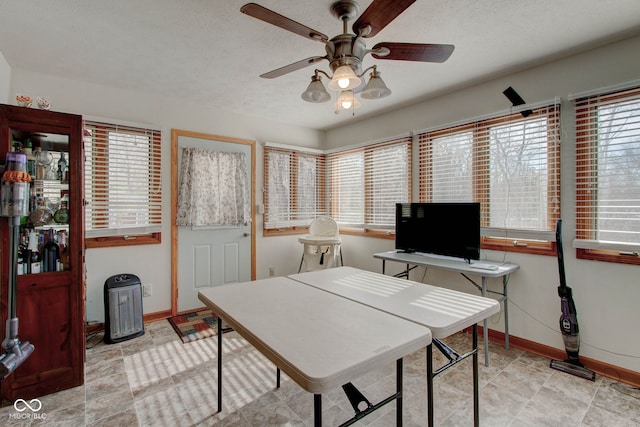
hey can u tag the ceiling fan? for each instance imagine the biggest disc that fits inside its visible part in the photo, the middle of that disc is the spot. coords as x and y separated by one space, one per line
346 51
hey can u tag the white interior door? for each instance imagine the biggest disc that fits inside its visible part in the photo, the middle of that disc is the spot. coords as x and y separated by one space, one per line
212 255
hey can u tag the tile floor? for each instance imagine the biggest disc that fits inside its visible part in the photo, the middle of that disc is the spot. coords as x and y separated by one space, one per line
155 380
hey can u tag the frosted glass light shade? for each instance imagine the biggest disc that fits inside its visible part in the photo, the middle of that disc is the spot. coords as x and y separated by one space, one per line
346 101
316 92
375 88
344 79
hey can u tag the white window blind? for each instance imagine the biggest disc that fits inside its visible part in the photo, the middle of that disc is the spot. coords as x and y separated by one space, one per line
122 180
346 175
608 171
446 162
294 187
510 164
367 182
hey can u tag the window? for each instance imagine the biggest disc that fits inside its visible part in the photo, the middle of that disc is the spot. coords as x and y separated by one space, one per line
510 165
608 176
294 189
367 182
122 185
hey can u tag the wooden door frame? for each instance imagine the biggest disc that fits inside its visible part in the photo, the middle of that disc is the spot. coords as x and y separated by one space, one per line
175 135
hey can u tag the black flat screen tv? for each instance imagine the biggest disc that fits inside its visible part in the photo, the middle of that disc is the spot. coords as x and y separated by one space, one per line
451 229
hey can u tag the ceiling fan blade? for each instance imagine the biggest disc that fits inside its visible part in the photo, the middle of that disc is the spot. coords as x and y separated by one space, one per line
271 17
292 67
379 14
415 51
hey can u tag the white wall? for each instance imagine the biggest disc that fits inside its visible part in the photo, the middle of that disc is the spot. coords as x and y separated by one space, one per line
606 294
152 263
5 80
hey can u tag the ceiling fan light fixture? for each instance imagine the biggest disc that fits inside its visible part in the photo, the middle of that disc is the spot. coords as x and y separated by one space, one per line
344 78
375 88
316 92
346 51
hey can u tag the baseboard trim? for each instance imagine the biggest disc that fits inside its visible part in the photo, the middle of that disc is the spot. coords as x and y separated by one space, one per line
93 328
617 373
158 315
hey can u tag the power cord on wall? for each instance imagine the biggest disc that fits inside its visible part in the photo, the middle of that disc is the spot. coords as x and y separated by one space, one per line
512 302
496 319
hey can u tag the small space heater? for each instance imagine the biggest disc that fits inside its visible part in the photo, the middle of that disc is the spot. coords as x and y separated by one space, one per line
122 308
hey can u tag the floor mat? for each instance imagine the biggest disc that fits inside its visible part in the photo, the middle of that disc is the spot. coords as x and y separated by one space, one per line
196 325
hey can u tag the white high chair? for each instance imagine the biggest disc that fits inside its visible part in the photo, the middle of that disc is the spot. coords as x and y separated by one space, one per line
322 246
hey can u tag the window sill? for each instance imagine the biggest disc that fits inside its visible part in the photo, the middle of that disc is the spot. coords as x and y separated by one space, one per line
607 256
535 247
487 243
369 232
132 240
285 231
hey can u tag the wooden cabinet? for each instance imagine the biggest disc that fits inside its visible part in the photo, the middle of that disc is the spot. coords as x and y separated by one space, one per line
50 303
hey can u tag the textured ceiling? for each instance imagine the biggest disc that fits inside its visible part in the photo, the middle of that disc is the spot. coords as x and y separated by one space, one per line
209 52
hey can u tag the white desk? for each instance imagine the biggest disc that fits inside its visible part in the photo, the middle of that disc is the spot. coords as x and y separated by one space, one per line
317 338
443 311
503 270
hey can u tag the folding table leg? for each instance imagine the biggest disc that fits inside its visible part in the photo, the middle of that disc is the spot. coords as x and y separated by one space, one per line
219 364
399 374
430 384
317 410
505 282
476 382
485 325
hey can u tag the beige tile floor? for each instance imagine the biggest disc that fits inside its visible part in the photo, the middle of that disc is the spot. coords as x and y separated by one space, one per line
156 380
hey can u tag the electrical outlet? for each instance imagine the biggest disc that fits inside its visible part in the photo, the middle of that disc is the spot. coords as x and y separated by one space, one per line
272 271
147 290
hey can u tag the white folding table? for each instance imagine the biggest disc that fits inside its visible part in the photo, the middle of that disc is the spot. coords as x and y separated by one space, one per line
478 268
318 339
442 310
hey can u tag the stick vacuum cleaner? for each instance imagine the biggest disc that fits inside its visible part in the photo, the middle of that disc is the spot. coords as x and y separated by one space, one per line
568 322
14 204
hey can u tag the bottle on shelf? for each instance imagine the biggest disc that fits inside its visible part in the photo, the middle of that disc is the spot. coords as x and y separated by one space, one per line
50 253
31 160
35 260
64 250
39 168
61 216
27 229
62 168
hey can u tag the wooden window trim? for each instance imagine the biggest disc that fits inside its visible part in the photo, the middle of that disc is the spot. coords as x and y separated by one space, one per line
294 196
584 161
607 256
367 153
102 191
480 185
132 240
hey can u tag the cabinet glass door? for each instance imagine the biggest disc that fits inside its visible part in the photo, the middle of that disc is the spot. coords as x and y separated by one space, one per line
45 231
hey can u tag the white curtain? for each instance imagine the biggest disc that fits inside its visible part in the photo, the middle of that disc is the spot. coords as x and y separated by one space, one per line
213 188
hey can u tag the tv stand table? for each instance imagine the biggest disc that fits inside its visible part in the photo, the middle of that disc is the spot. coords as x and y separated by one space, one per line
485 269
